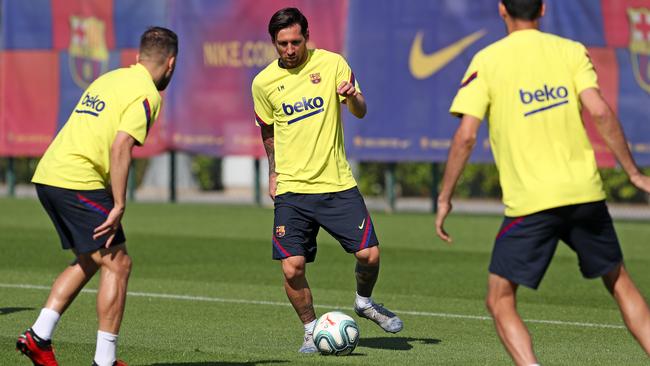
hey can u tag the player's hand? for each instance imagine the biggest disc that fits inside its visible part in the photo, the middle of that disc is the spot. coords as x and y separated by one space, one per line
273 184
110 226
444 208
641 182
346 89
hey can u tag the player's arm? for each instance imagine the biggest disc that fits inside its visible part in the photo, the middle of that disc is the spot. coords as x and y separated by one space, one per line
461 148
611 131
353 99
269 146
121 154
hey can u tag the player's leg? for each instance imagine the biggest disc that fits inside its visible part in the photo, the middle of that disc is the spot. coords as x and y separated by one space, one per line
69 283
501 302
523 249
74 222
594 239
115 265
631 303
297 288
36 342
300 297
367 270
344 215
294 244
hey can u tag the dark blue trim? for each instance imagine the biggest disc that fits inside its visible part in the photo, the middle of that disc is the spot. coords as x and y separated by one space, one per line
545 108
147 113
87 112
469 79
306 115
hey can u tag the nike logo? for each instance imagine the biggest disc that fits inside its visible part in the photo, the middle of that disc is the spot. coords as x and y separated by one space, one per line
362 223
422 66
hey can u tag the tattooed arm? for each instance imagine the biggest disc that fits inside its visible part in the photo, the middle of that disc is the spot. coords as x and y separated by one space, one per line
267 139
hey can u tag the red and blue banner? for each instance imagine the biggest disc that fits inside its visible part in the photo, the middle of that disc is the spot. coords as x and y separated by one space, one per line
224 44
408 56
50 50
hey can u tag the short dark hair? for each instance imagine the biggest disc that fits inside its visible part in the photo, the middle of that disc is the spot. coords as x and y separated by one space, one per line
158 43
285 18
523 9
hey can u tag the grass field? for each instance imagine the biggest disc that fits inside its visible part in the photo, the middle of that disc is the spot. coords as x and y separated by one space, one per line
204 291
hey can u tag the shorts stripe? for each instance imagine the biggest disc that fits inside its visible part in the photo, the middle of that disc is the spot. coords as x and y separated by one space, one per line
92 205
279 247
511 225
366 233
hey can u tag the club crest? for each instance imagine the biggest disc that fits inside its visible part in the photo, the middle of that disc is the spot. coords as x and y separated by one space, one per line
88 52
315 77
279 231
640 45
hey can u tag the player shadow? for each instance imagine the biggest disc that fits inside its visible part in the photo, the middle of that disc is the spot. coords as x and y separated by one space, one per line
395 343
5 311
221 363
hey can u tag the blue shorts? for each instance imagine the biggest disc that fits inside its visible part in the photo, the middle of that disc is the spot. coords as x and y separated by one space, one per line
76 214
524 247
298 217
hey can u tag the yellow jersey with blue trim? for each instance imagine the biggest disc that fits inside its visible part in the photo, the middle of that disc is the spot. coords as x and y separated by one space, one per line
305 111
78 158
528 84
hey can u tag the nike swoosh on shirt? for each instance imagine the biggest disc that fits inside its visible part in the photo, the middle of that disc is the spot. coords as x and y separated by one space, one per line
422 65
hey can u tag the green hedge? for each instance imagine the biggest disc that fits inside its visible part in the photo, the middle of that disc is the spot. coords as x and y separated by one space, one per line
477 181
412 179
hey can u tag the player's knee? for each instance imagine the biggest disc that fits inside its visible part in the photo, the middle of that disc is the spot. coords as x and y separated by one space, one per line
368 256
120 266
496 303
490 304
293 272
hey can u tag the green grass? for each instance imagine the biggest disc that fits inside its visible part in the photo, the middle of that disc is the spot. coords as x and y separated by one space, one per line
221 256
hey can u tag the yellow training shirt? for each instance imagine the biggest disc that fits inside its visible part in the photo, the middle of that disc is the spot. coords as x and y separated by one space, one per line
305 111
126 100
529 85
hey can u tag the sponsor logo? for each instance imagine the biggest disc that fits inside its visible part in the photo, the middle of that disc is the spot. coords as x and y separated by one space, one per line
93 105
362 224
557 96
310 105
279 231
88 52
640 45
543 95
315 78
424 65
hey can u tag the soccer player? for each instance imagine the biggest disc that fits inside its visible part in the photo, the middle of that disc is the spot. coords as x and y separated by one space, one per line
531 85
298 106
81 183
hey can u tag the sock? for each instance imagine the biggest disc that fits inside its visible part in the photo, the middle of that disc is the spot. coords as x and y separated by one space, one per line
106 351
45 323
309 327
363 302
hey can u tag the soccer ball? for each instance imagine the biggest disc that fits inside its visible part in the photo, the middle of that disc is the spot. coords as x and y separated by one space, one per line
336 334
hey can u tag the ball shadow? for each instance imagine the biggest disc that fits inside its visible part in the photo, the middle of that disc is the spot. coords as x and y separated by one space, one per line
395 343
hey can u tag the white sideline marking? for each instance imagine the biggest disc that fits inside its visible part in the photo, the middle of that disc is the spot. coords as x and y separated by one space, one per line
275 303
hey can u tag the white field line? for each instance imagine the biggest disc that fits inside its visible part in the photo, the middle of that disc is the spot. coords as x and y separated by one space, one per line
276 303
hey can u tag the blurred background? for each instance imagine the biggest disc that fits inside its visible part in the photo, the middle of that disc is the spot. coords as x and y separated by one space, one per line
205 147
